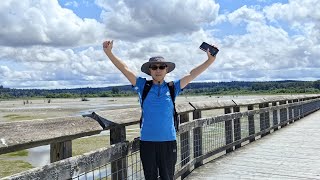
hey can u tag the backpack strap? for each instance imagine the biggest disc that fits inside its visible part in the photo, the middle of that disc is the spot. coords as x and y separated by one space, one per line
175 114
146 89
171 88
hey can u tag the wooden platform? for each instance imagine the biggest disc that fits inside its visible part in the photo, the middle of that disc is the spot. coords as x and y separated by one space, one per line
292 152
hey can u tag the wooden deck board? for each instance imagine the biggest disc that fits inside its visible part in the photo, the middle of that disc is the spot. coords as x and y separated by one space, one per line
292 152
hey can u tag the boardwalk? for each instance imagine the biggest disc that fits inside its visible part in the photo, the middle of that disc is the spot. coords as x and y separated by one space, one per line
289 153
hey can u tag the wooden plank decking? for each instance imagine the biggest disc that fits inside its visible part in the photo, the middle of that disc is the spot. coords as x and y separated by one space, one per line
292 152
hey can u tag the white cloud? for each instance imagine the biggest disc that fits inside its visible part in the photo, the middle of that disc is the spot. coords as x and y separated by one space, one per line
72 3
4 71
295 11
61 66
245 14
7 73
303 16
267 52
45 22
133 20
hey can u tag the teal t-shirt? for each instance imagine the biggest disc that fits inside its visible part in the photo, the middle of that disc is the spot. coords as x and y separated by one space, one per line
157 121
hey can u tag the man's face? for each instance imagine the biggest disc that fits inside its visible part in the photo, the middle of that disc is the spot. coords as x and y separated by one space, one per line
158 71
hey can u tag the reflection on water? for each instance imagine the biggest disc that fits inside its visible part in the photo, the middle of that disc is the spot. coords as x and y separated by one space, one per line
109 107
39 156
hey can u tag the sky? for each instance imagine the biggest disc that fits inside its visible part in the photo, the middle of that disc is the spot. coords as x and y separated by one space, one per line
49 44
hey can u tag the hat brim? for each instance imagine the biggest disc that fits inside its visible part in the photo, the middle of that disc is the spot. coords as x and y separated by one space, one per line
145 66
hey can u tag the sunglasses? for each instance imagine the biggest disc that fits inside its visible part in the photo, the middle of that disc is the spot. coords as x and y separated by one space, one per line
161 67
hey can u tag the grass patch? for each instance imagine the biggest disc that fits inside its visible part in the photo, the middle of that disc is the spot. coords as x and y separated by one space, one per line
12 167
17 153
133 130
16 117
83 145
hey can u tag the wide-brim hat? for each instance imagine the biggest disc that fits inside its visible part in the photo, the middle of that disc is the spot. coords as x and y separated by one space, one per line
156 60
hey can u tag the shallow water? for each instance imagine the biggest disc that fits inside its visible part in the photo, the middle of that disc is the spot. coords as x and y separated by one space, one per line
39 156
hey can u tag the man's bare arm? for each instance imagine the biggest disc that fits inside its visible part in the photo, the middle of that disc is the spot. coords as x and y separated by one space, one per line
197 70
107 48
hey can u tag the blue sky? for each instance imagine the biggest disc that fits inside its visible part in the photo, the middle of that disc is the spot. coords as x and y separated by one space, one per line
57 43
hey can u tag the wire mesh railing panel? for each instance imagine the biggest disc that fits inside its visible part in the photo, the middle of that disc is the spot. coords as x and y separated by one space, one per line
244 127
283 115
213 136
135 170
296 111
178 164
102 172
271 120
266 120
236 129
256 123
197 142
185 144
130 168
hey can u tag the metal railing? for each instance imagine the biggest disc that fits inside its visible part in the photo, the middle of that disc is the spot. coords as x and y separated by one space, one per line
199 139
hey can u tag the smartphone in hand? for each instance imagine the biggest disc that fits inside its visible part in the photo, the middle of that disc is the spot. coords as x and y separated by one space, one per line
213 50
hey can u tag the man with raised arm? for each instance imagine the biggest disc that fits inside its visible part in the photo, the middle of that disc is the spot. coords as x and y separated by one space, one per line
158 147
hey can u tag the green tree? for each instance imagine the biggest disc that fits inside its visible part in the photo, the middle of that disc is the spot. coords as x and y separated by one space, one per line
115 90
316 84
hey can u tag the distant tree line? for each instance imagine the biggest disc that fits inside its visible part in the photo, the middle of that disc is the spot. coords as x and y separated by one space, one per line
7 93
201 88
244 87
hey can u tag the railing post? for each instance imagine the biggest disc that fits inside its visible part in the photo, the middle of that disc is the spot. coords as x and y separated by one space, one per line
264 119
290 109
306 108
283 113
119 167
228 130
302 114
275 116
296 110
184 145
60 150
237 127
197 139
268 124
251 124
300 108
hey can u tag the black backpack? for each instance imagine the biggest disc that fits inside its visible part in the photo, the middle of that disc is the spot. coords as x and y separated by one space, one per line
146 90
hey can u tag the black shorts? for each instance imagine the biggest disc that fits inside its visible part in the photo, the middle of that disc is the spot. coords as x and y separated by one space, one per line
158 157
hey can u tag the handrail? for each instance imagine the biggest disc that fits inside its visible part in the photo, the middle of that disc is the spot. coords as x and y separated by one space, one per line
27 134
